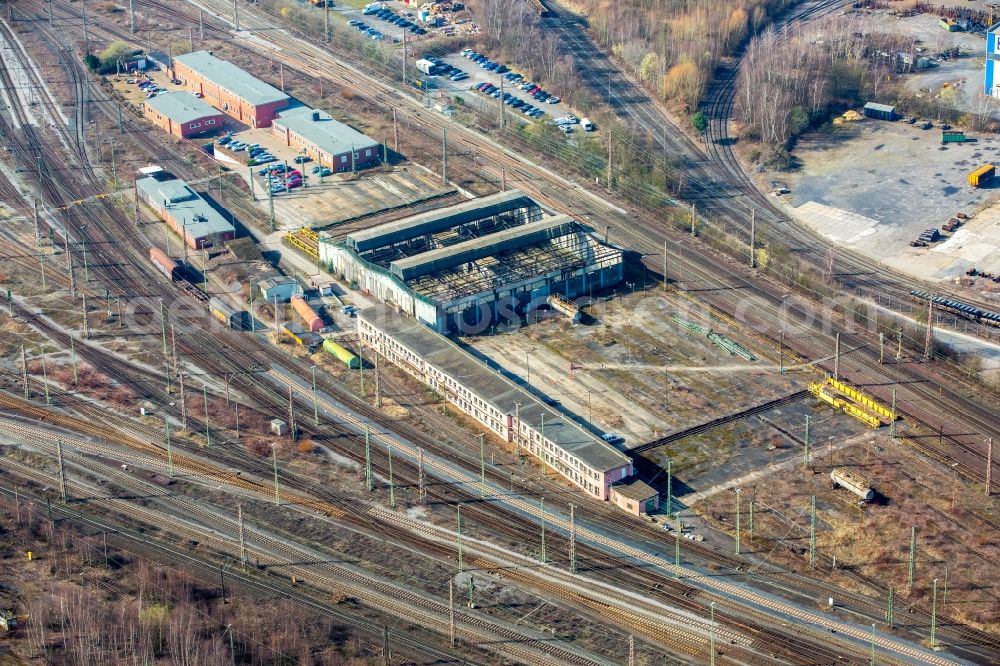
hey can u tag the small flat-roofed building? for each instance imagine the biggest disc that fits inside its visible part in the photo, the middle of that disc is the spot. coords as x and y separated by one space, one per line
229 89
991 73
635 496
183 115
185 211
280 287
476 265
507 410
326 140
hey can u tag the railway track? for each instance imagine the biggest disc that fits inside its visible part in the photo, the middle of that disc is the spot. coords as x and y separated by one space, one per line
202 526
482 557
139 543
553 581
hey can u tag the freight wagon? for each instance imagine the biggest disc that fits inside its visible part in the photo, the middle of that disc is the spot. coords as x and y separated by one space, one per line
342 354
957 307
844 478
982 175
165 264
299 334
227 315
309 316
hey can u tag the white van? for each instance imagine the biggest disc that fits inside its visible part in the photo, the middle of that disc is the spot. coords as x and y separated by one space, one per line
586 125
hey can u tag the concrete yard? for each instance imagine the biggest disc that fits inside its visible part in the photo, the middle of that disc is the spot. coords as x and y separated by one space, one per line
646 375
636 372
334 199
874 186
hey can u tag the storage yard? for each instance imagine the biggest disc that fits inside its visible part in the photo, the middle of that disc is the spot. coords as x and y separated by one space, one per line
875 186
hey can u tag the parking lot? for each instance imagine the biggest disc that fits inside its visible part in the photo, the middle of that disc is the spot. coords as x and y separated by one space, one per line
136 96
381 23
388 21
540 102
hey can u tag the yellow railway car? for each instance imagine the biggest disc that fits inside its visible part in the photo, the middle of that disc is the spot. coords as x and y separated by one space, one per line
982 175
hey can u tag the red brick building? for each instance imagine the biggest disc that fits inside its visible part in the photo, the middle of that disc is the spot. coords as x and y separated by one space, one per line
229 89
326 140
183 115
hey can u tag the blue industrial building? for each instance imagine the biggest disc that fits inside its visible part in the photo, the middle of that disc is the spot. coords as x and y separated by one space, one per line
991 84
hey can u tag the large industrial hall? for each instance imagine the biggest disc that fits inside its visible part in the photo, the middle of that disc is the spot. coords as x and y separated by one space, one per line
482 263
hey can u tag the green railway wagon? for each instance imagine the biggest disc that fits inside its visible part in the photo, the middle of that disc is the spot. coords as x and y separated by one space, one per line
348 359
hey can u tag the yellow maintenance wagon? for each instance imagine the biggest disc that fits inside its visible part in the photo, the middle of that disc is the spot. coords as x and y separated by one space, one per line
982 175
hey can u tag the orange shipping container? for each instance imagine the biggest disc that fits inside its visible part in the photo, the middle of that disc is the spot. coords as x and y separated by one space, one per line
307 313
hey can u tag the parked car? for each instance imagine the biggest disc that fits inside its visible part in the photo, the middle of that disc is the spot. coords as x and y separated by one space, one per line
302 159
553 100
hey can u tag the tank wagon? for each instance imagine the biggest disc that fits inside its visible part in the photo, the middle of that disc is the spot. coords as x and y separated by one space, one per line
230 317
845 478
309 316
342 354
564 306
165 264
